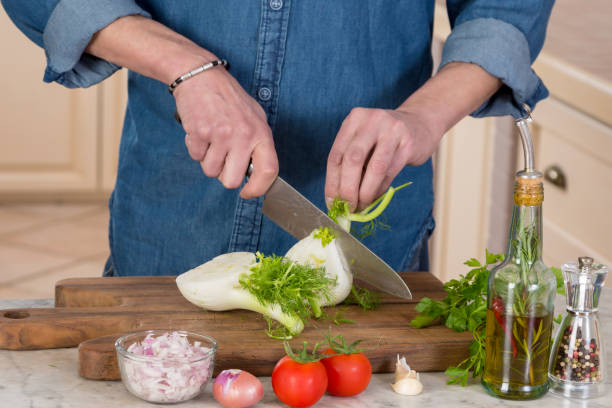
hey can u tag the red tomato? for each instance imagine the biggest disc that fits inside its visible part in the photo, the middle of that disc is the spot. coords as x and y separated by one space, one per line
347 374
297 384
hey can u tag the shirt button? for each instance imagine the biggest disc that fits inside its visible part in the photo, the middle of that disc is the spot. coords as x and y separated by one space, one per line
264 93
276 4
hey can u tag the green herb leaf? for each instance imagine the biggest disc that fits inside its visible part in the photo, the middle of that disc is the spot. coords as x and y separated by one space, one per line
365 298
425 305
325 235
457 319
458 375
338 318
473 262
560 282
421 321
493 258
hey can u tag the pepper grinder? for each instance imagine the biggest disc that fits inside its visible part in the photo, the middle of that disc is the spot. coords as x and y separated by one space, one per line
577 364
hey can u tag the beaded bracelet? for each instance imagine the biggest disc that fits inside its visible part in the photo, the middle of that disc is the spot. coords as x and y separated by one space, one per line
195 71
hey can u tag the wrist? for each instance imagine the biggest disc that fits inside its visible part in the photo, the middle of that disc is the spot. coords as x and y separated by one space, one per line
181 61
455 91
427 113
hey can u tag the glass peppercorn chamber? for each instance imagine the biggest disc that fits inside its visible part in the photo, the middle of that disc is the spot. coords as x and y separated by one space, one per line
577 361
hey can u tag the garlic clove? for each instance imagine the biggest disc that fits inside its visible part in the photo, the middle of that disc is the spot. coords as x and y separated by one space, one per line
407 381
402 370
408 386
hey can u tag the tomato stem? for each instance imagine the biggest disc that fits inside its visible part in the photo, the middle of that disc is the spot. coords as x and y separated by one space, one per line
341 347
302 356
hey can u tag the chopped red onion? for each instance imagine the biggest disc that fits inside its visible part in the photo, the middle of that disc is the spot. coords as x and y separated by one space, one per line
176 372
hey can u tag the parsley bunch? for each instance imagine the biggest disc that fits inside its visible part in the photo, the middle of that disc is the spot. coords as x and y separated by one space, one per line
464 308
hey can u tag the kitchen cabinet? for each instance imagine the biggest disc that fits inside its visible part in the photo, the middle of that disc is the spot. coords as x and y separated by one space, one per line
577 215
55 143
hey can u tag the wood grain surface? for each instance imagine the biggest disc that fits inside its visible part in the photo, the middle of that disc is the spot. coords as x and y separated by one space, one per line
89 308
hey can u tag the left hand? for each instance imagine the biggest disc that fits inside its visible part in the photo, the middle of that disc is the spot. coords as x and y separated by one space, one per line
371 148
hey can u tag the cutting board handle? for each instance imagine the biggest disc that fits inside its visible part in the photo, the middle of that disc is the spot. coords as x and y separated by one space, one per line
31 329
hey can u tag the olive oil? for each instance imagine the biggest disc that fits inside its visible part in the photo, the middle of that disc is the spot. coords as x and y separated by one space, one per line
520 295
517 352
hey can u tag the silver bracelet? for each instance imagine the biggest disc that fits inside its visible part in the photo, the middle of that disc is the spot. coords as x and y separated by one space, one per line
195 71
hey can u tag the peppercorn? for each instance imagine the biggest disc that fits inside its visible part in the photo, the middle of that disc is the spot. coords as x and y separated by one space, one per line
576 360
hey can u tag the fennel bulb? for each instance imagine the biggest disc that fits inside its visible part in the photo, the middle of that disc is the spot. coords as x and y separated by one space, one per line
215 285
290 289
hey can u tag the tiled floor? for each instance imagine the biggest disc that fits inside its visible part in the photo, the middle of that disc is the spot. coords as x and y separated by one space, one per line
43 243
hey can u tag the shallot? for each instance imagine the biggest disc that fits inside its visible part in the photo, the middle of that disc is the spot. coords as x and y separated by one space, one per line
176 371
237 389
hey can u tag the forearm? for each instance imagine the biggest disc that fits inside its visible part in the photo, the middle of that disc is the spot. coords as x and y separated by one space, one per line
148 47
454 92
225 127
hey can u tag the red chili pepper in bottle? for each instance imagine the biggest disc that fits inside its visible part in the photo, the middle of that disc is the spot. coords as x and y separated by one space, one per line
498 308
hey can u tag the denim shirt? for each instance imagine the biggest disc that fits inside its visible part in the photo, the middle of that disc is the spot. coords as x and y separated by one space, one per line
308 63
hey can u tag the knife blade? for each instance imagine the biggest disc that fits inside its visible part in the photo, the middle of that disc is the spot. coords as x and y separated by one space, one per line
294 213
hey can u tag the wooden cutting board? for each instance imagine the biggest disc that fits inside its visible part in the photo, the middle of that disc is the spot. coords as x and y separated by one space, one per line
90 308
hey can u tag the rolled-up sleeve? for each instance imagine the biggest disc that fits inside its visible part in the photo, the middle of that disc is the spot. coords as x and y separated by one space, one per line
64 28
503 38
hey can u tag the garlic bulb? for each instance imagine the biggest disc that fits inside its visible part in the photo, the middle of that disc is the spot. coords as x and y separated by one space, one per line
407 381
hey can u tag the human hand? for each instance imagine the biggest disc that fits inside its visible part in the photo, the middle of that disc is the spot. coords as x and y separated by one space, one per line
225 129
372 147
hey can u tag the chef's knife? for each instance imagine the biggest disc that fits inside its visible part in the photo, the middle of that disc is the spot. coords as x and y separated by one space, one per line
299 217
294 213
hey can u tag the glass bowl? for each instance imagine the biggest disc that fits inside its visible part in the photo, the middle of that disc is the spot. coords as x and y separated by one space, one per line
152 370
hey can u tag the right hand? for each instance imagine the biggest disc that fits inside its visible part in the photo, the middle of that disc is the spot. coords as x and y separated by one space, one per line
225 129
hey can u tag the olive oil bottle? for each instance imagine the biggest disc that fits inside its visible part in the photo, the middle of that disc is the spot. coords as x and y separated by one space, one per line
520 298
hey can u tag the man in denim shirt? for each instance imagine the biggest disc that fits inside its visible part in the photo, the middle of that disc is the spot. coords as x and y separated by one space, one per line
335 95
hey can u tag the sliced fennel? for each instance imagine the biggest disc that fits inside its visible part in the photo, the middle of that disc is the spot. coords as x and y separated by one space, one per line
340 211
320 249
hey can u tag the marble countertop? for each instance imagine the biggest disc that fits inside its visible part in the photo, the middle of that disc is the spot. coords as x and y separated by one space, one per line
49 379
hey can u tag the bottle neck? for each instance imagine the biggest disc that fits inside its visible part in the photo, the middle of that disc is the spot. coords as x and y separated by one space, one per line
525 234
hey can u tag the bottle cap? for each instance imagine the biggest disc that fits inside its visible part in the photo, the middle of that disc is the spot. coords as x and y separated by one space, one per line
528 188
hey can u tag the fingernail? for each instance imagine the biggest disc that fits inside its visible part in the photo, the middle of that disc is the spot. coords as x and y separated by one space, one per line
329 201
